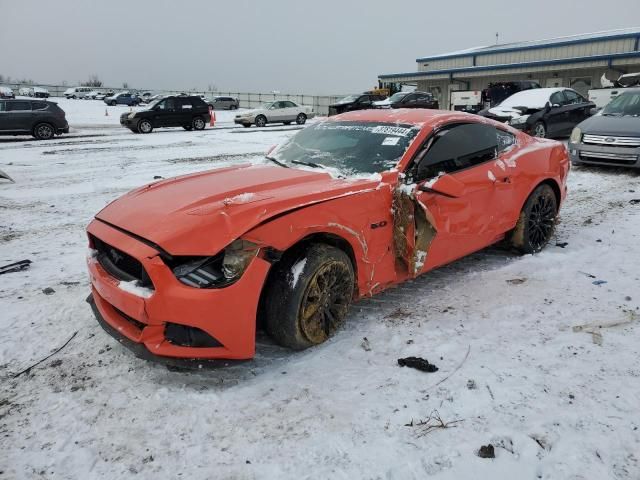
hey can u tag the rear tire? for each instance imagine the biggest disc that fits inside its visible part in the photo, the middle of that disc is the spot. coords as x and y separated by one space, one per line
113 103
44 131
536 222
233 107
145 126
198 123
301 119
539 130
308 296
261 121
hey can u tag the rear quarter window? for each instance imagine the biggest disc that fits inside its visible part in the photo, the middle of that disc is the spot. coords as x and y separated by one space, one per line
39 105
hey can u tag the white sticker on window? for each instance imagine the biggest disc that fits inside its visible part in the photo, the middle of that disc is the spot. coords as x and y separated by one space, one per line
403 132
390 140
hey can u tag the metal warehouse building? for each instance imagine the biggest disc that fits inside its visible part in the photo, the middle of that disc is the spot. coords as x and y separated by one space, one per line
577 61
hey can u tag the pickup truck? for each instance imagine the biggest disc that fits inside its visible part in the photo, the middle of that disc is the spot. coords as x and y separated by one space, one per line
469 101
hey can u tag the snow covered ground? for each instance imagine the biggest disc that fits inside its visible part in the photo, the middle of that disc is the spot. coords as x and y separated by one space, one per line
517 366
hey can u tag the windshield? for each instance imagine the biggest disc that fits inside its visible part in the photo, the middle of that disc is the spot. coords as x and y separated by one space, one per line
396 97
352 148
349 99
155 102
627 103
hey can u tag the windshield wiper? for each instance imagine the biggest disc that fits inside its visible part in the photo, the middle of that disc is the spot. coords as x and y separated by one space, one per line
308 164
610 114
277 162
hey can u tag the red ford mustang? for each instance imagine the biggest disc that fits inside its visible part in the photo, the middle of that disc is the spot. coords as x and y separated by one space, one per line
184 268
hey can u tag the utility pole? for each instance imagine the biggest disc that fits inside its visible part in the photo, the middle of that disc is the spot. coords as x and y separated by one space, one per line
497 36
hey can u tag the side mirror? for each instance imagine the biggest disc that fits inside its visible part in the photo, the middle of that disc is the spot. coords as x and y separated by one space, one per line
547 106
593 111
444 185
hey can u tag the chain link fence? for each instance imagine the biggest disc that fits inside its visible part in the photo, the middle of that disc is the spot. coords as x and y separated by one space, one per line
320 103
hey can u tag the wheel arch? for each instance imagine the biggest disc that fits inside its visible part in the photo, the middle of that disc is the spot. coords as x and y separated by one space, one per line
554 186
296 249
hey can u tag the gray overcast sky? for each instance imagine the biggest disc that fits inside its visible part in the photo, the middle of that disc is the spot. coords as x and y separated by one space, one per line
328 46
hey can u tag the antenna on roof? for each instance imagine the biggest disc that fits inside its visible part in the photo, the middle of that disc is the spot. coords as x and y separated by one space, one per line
497 36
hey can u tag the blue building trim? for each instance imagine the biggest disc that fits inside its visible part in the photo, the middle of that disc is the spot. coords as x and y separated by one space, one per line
492 51
451 71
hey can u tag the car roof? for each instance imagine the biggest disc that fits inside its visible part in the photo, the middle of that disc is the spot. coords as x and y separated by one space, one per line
410 116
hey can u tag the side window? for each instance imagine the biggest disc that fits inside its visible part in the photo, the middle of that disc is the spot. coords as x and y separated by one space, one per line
573 97
289 104
167 104
364 100
1 106
410 98
196 102
558 99
185 104
457 148
39 105
18 106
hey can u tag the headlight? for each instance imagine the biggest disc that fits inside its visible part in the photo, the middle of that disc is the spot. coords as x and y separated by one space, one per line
576 135
132 114
218 271
519 120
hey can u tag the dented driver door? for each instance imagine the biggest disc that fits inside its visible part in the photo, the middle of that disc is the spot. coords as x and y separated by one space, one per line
458 199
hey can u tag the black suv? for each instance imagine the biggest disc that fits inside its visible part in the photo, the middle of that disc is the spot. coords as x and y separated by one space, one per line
40 118
190 113
496 92
362 101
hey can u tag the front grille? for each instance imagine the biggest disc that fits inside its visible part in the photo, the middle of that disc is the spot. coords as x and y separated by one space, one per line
618 158
119 264
611 140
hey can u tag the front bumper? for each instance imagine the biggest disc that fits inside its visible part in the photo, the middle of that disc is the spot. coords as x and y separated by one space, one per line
244 120
227 314
588 154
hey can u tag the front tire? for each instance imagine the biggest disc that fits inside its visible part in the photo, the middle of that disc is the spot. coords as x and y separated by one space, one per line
44 131
301 119
113 103
536 222
261 121
308 296
145 126
539 130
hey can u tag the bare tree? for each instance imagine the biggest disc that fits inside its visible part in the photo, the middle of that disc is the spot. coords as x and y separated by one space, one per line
125 85
93 81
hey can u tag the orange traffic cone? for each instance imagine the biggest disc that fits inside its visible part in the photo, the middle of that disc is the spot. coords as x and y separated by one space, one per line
212 114
106 113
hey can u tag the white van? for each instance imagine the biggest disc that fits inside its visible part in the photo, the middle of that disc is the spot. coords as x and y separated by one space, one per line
77 92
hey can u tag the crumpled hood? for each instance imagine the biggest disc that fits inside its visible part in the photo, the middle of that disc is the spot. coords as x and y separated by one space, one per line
505 112
201 213
614 126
